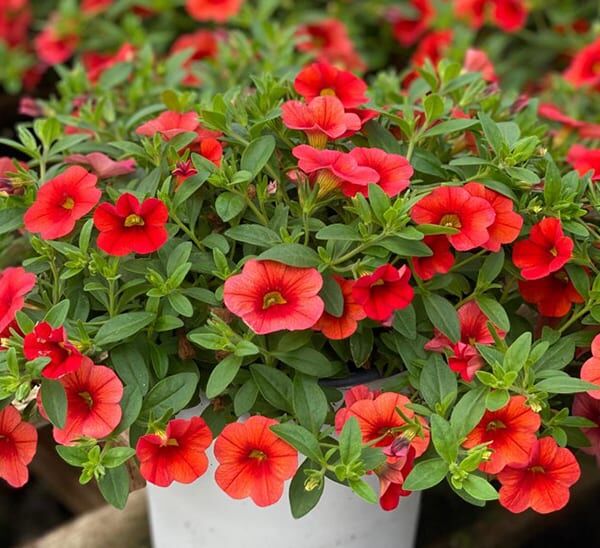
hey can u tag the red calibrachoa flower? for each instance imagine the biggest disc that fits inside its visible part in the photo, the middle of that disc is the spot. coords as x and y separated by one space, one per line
583 70
46 342
93 396
586 406
15 283
131 227
432 47
508 15
18 443
394 171
477 60
329 41
102 165
507 225
209 148
351 396
546 250
464 358
202 44
440 262
213 10
333 170
53 47
170 124
96 64
253 461
379 419
590 370
322 119
343 326
15 18
61 202
407 29
93 7
9 175
183 171
553 295
543 482
511 431
586 130
457 208
585 159
177 454
392 475
323 79
384 291
271 296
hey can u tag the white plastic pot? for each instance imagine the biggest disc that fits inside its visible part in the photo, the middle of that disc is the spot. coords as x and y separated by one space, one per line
200 515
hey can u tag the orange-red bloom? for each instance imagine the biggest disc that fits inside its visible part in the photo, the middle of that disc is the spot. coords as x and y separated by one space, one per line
15 283
477 60
169 124
507 225
384 291
322 119
407 29
323 79
93 396
590 371
509 15
583 70
343 326
553 295
53 46
178 454
202 44
586 130
585 159
61 202
546 250
432 47
96 64
511 431
440 262
253 461
542 483
213 10
46 342
333 170
131 227
18 443
457 208
271 296
394 171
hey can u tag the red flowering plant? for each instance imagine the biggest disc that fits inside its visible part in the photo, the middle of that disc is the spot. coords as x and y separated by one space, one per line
256 256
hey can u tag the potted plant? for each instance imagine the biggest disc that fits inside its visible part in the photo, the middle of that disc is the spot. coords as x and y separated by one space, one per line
307 284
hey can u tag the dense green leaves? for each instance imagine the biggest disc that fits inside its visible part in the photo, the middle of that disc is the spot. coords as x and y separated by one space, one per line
122 326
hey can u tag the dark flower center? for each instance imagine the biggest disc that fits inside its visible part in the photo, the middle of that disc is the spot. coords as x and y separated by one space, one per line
451 220
537 469
87 398
272 298
495 425
134 220
328 92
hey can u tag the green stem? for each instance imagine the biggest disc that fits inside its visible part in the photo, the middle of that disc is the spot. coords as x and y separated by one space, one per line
190 234
575 317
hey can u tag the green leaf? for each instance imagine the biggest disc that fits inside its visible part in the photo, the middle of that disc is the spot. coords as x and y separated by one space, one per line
496 399
116 456
405 248
380 137
442 315
379 201
115 75
57 315
129 363
73 455
114 486
11 219
179 256
443 438
517 353
275 386
308 361
350 442
494 311
426 474
301 500
493 135
260 236
363 490
131 406
293 255
122 326
229 205
309 401
222 375
449 126
491 267
300 438
436 382
343 233
562 384
479 488
257 154
332 296
361 346
172 393
245 398
405 322
468 411
54 400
